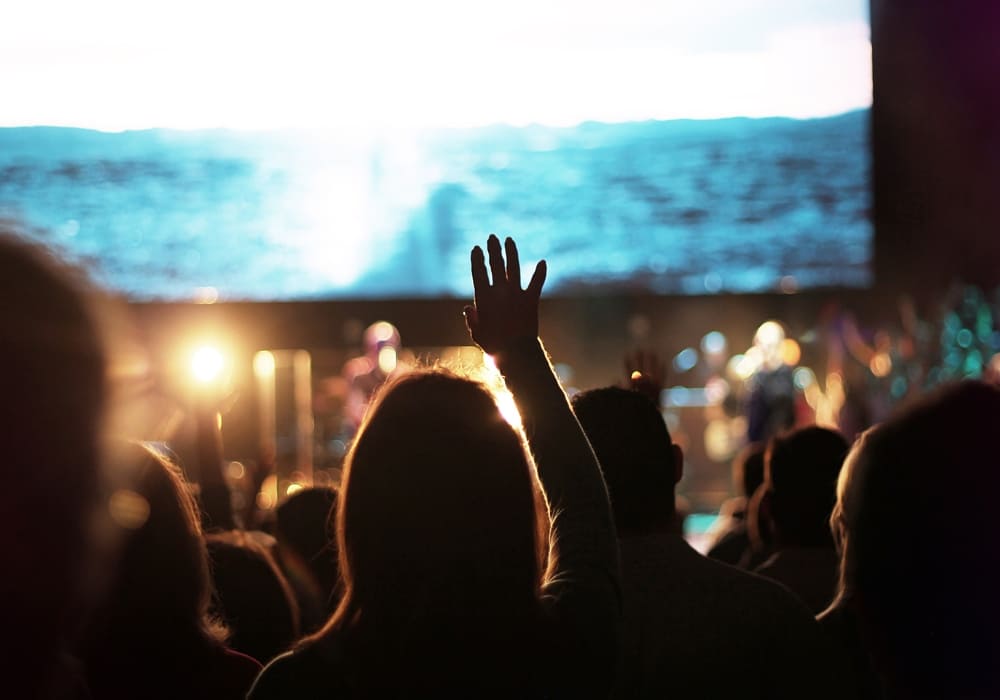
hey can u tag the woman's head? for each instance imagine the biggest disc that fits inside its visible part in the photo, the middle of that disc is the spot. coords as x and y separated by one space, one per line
439 505
161 578
52 400
916 526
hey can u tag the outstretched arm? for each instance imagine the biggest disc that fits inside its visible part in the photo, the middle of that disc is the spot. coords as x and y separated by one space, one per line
583 591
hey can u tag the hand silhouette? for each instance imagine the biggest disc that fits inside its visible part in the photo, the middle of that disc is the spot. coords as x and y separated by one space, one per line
502 312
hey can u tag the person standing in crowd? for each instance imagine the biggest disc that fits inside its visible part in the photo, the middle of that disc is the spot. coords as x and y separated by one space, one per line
692 627
457 579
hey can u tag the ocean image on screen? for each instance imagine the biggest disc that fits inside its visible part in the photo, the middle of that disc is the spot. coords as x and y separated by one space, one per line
761 186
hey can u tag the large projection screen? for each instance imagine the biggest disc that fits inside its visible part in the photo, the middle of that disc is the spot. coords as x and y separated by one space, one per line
309 151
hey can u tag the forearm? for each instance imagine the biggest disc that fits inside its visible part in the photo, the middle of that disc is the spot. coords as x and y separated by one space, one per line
216 502
571 479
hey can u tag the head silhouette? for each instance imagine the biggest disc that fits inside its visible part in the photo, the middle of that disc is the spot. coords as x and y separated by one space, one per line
748 469
641 465
800 472
53 398
916 524
307 550
251 596
158 595
438 530
162 575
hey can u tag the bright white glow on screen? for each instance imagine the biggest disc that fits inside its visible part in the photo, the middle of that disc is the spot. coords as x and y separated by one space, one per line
119 64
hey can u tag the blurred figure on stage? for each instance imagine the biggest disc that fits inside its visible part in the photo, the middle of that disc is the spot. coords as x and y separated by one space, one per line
366 373
772 397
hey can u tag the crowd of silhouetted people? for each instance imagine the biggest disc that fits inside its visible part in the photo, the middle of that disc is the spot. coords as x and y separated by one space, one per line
462 556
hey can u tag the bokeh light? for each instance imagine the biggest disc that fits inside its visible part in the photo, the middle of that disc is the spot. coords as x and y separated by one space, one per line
207 364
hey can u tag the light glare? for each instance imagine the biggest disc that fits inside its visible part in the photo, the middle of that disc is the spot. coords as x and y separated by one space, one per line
207 363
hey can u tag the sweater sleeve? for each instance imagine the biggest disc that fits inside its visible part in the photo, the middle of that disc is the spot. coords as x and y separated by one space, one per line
582 596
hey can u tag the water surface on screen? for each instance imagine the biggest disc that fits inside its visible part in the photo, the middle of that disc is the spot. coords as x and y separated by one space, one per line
289 153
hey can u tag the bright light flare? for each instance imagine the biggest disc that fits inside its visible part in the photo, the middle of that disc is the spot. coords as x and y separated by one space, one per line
263 364
790 352
508 408
207 364
128 509
387 360
501 394
881 364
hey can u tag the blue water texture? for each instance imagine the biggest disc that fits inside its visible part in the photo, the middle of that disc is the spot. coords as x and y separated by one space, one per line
665 207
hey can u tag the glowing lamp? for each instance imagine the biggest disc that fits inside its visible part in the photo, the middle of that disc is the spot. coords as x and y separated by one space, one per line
207 363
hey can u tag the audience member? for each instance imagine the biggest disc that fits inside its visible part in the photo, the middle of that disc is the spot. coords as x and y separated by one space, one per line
251 596
693 627
917 604
153 636
440 529
54 395
731 539
307 552
800 489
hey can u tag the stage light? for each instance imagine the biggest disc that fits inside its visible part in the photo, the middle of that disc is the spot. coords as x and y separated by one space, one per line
383 331
207 364
881 364
804 378
387 360
263 364
685 360
790 352
769 334
267 497
713 343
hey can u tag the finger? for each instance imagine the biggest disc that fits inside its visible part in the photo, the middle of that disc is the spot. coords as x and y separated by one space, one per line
513 263
480 280
496 260
537 280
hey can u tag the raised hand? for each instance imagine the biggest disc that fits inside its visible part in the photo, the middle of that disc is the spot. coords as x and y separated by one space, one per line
503 312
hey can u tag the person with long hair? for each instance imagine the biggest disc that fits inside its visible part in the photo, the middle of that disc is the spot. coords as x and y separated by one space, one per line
153 636
457 578
53 359
917 608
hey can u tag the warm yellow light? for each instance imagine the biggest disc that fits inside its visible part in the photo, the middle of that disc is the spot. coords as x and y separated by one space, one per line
267 497
769 334
293 488
746 365
508 409
128 509
387 360
790 352
207 363
881 364
263 364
